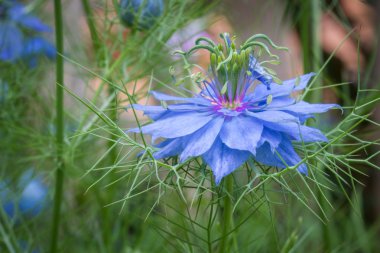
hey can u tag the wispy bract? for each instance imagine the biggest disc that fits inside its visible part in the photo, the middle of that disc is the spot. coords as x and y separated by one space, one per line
239 113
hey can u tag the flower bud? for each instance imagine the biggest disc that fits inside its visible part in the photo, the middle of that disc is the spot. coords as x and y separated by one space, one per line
142 14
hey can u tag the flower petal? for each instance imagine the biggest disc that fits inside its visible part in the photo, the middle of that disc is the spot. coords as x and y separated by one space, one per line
299 132
202 140
241 133
273 138
223 160
286 88
187 107
306 108
165 97
18 13
170 147
175 125
10 42
289 124
284 157
153 112
273 116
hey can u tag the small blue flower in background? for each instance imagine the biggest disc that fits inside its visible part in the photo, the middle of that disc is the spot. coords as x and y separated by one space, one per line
34 195
239 113
16 43
30 199
141 13
4 91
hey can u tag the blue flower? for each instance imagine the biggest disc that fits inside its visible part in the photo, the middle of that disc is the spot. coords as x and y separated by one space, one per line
140 13
35 47
4 91
234 117
32 197
15 25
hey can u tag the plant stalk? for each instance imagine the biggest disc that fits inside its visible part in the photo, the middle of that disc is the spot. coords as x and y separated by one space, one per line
227 215
58 196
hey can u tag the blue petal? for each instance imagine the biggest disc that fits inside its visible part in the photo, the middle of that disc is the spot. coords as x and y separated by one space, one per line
273 116
153 112
241 133
201 141
289 124
35 47
165 97
170 147
273 138
284 157
187 107
259 73
18 14
223 160
286 88
306 108
175 125
10 42
299 132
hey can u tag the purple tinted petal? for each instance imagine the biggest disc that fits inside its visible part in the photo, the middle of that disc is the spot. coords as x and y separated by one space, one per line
165 97
310 134
169 148
201 141
10 42
153 112
18 14
306 108
279 102
289 124
223 160
286 88
273 116
187 107
284 157
37 46
241 133
175 125
259 73
298 132
273 138
33 23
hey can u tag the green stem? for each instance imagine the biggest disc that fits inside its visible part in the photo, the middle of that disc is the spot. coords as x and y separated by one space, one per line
100 58
227 215
59 125
316 47
113 117
311 50
91 26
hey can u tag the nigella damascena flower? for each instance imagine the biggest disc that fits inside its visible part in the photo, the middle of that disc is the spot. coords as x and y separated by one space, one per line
16 25
234 117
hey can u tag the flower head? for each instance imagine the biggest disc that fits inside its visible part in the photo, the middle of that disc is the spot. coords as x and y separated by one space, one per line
140 13
239 113
16 25
31 198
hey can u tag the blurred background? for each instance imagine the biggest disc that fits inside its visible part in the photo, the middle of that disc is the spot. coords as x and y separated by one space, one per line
112 62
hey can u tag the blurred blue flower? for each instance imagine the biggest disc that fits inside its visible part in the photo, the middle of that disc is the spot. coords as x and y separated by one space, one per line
16 24
6 199
141 13
30 198
230 121
4 91
34 194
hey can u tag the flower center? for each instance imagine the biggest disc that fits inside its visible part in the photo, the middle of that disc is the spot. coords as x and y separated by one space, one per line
235 105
